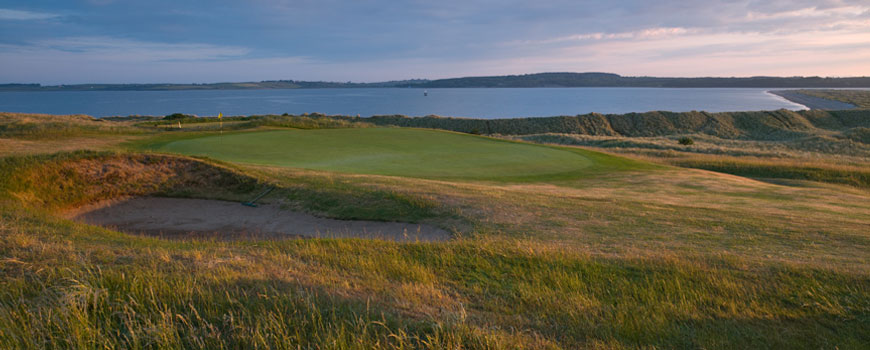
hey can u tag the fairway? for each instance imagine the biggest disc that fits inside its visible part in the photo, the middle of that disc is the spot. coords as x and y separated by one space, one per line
389 151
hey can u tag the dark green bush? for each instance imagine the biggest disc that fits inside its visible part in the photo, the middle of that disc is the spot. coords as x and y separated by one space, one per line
178 116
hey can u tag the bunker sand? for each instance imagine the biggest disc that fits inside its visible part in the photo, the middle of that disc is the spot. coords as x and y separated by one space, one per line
199 218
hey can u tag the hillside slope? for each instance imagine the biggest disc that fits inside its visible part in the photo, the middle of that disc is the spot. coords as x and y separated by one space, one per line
762 125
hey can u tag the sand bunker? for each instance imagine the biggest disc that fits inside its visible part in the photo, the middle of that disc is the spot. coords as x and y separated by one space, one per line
176 217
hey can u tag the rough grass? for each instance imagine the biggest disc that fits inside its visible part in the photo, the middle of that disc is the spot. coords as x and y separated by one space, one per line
305 121
859 98
776 125
779 169
831 160
30 146
42 126
72 286
23 134
841 146
698 262
65 180
621 258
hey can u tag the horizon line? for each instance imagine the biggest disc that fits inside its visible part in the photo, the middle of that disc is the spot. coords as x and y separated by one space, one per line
436 79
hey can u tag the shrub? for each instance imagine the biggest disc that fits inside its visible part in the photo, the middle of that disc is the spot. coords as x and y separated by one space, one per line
177 116
686 141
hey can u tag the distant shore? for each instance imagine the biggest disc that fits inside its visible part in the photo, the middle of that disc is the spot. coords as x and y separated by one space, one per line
537 80
812 102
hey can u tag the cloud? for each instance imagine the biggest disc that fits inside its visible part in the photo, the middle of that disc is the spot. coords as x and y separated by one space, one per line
118 60
842 52
18 15
366 40
683 18
648 33
105 48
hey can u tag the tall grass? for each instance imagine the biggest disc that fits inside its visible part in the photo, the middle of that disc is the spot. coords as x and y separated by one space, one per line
73 286
759 125
859 98
779 169
64 180
157 295
41 126
621 260
304 121
70 179
822 161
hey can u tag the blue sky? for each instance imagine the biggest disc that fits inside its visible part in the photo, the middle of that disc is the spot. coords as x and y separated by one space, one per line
184 41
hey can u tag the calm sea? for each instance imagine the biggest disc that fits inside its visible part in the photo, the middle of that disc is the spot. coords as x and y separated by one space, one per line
467 102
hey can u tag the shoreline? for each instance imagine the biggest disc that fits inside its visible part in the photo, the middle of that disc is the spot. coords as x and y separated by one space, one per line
811 102
801 106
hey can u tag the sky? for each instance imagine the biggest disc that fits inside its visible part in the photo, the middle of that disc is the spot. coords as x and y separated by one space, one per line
202 41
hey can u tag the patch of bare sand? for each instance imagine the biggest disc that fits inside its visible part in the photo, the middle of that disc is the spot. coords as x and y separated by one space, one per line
182 218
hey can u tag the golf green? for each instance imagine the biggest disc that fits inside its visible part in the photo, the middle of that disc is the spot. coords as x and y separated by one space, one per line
389 151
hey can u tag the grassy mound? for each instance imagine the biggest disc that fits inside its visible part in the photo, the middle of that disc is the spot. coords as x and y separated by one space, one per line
69 180
759 125
41 126
396 151
779 169
72 179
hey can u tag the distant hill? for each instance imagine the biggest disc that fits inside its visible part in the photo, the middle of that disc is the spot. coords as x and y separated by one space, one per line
505 81
615 80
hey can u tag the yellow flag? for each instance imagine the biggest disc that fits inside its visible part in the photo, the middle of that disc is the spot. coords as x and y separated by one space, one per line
221 121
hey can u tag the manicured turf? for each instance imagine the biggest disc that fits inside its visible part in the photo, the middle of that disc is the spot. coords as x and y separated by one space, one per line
393 151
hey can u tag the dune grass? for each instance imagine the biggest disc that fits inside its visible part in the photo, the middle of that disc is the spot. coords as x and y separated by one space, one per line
22 134
779 169
304 121
619 255
819 160
859 98
92 288
396 151
645 272
45 126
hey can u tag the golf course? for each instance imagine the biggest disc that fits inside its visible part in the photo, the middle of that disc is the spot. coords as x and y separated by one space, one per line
131 233
395 151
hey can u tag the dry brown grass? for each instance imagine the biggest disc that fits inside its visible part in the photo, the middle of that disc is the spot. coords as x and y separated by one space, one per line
19 146
674 212
63 181
832 149
33 118
662 258
23 133
40 125
859 98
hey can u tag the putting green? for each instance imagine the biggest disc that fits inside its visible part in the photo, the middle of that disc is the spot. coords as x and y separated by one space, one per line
389 151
